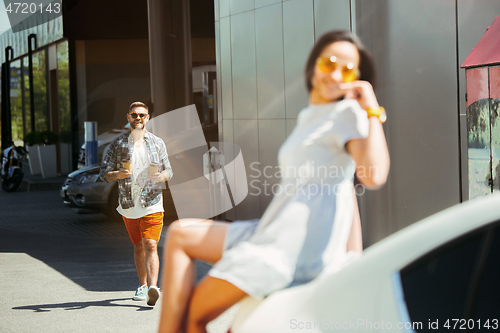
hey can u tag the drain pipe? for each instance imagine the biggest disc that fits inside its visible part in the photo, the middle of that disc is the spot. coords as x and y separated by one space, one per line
30 75
6 116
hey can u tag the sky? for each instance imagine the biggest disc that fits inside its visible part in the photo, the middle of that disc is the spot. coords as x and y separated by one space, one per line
4 19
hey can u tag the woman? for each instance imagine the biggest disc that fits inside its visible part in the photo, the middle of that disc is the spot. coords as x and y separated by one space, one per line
306 227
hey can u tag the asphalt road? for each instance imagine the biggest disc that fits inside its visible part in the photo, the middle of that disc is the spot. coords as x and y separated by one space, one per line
61 271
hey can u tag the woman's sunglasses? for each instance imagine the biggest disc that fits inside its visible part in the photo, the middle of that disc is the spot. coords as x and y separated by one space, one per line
329 65
135 115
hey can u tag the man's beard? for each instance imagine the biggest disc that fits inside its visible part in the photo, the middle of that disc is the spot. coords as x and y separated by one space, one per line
137 125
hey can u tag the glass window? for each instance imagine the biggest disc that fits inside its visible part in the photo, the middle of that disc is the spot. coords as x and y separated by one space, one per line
16 102
63 92
27 106
1 90
436 287
40 91
65 134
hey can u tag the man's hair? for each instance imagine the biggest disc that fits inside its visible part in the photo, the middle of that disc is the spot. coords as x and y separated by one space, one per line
137 105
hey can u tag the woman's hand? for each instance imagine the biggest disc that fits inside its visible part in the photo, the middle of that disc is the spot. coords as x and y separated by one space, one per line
361 91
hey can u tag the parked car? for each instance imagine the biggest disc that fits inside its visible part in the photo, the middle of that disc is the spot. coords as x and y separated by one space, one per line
84 189
438 275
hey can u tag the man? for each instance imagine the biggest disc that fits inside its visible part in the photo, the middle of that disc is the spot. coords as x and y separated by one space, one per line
140 194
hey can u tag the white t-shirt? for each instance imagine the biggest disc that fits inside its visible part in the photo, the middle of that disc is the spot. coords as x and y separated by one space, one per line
140 174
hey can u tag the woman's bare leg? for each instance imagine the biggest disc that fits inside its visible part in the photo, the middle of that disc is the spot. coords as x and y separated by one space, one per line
196 239
211 297
355 241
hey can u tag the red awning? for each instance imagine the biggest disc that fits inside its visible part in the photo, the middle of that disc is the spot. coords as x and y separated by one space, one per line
487 50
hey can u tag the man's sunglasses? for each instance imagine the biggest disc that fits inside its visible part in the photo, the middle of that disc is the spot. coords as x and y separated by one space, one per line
329 65
135 115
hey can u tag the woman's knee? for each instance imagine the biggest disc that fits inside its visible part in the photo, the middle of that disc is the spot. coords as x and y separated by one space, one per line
198 239
177 234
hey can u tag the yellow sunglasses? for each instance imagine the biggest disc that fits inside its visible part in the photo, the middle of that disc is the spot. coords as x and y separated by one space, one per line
329 65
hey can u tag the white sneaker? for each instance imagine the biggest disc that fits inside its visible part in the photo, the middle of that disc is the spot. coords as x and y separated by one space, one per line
153 295
141 293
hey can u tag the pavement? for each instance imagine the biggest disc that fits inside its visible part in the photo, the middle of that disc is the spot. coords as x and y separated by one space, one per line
62 270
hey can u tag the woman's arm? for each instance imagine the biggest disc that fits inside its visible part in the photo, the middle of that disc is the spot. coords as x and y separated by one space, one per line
370 154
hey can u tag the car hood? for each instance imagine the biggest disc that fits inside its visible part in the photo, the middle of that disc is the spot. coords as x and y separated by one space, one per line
107 137
92 169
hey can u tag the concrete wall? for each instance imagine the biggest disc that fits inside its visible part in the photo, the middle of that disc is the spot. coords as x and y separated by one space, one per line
261 48
418 46
415 44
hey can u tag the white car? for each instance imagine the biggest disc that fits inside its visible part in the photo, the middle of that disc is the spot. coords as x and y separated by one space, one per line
438 275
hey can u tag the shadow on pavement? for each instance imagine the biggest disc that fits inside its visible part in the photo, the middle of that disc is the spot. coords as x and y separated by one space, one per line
90 249
81 305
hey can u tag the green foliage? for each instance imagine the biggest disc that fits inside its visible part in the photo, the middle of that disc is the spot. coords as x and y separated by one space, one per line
65 136
41 138
33 138
40 91
49 137
40 95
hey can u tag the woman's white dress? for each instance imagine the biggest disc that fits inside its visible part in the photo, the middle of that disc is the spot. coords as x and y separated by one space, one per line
307 224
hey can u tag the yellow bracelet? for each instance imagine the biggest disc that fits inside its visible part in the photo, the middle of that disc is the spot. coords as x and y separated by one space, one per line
379 113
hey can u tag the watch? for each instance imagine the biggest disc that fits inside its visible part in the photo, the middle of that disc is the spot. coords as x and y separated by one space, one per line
379 113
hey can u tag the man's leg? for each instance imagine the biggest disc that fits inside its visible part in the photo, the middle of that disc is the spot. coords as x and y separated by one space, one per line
134 232
133 228
140 263
151 264
151 226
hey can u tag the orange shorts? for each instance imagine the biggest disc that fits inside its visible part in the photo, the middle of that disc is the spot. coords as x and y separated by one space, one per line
148 226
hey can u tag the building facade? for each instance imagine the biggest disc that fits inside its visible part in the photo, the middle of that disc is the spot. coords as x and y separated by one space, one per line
418 46
101 62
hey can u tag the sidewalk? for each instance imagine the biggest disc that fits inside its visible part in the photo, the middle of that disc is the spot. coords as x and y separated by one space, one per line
68 272
38 183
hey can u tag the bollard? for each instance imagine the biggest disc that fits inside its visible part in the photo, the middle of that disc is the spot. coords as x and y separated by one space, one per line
90 143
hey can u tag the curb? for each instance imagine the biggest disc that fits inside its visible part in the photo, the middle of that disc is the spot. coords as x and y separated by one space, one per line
48 185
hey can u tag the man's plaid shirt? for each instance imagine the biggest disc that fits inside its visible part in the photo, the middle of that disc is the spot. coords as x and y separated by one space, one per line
121 148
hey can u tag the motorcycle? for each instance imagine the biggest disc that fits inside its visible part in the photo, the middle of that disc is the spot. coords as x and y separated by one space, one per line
12 171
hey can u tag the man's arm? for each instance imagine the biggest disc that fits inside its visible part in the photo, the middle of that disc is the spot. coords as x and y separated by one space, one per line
109 167
109 176
167 172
